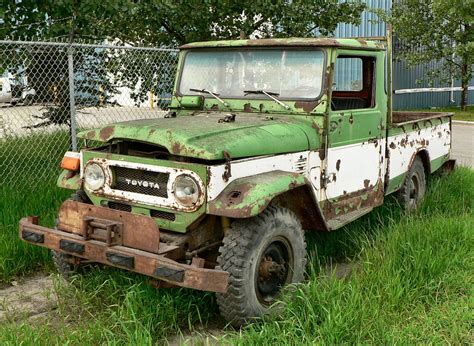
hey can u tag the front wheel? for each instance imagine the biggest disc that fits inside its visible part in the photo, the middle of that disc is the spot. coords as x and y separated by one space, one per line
262 255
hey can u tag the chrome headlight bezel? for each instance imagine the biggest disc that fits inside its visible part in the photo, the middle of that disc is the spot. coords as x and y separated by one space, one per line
89 185
186 190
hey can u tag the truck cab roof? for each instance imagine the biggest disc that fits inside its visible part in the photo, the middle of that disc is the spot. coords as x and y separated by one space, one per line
347 43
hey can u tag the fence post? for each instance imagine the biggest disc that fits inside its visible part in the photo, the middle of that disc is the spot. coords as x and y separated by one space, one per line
72 102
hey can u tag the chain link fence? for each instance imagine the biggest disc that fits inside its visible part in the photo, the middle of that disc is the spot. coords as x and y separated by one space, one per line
50 91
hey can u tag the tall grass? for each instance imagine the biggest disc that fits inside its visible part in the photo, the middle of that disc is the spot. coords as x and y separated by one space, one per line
412 283
29 168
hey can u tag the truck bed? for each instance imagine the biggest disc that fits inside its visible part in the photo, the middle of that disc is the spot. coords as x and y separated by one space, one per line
400 118
426 134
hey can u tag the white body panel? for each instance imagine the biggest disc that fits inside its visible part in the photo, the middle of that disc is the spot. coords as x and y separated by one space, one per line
354 167
360 165
293 163
402 148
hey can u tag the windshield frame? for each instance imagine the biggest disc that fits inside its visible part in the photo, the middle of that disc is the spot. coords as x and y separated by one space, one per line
257 97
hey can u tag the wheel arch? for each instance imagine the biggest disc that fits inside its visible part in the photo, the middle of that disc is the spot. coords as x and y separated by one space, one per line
250 196
424 155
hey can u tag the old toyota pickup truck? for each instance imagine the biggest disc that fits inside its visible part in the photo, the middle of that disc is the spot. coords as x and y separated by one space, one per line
264 140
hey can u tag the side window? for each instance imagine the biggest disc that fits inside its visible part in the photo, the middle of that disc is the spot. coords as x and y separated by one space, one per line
353 83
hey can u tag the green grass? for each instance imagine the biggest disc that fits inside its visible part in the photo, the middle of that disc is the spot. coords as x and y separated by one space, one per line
413 283
467 115
28 187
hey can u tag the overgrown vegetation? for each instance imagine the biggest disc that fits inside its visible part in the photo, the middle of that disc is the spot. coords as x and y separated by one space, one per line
467 115
30 190
411 282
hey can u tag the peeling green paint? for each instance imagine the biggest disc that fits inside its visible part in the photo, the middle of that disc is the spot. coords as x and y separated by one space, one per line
69 180
247 197
202 136
289 42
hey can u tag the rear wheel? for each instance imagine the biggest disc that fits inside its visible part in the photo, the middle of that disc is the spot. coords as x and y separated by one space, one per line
414 187
262 255
65 264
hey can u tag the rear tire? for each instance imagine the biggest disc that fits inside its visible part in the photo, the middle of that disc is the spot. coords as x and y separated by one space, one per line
413 189
262 254
68 265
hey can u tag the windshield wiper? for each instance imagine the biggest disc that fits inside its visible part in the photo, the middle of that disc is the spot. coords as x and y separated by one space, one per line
216 96
269 94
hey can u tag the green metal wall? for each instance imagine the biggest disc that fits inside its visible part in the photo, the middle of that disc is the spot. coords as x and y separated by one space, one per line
404 77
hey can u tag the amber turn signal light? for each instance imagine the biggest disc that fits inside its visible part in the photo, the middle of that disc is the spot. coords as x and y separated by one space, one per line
71 161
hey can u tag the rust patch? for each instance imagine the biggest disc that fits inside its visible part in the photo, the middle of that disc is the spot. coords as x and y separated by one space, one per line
338 165
177 148
362 42
348 202
214 107
366 183
138 231
315 126
322 151
392 145
90 134
106 132
248 107
227 169
307 106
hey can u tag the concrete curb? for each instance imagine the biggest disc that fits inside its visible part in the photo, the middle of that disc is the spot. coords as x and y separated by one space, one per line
463 122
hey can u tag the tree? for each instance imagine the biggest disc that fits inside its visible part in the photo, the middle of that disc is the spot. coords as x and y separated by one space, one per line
173 22
437 30
158 23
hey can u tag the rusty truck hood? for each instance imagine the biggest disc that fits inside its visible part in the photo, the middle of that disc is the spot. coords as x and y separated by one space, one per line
203 136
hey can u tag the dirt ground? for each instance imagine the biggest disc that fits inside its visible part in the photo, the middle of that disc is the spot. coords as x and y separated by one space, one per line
34 298
30 298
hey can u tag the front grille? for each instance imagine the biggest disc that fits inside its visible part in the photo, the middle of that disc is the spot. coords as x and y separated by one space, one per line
162 215
120 206
140 181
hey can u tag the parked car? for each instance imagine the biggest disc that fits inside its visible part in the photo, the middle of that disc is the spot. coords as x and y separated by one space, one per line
260 145
15 91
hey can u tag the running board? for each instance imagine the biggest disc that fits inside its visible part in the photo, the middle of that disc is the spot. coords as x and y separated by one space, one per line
344 219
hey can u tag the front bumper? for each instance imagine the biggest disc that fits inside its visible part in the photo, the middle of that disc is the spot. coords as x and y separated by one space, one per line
108 252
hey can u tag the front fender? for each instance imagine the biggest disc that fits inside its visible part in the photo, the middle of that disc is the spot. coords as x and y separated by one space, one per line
69 180
249 196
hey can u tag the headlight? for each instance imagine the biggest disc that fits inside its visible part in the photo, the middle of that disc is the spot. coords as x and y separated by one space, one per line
94 176
186 190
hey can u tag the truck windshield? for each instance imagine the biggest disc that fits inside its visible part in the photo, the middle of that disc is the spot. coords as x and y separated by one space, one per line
292 74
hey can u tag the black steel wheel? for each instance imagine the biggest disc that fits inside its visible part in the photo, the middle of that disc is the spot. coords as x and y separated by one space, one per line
413 189
262 255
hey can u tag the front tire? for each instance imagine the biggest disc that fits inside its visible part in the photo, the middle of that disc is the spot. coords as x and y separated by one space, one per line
262 254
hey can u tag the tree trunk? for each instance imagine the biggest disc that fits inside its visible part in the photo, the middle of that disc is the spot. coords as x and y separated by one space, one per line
464 86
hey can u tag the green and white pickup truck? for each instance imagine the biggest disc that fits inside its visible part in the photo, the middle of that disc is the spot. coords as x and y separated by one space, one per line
264 140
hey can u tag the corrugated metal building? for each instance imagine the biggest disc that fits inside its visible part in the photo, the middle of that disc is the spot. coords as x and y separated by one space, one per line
404 77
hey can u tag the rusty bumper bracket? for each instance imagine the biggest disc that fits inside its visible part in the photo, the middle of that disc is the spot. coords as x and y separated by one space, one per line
143 262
